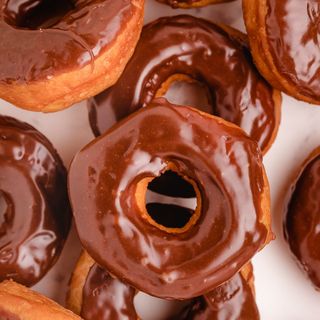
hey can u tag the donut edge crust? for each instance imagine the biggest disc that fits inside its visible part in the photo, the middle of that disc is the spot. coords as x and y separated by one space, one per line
29 305
254 13
68 88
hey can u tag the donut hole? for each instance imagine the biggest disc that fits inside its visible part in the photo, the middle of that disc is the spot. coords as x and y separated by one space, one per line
183 90
36 14
169 202
166 309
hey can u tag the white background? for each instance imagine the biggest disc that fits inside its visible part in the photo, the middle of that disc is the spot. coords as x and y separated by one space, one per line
283 292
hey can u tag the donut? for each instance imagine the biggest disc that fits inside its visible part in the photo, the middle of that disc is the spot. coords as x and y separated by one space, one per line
303 217
69 49
34 207
187 4
20 303
107 187
94 294
185 48
286 52
232 300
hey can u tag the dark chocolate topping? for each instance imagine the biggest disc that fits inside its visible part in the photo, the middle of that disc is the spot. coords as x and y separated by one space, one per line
40 39
233 300
222 160
105 298
34 209
203 51
303 219
293 36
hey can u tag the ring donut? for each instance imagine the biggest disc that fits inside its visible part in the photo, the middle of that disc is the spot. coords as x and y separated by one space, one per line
68 49
185 48
287 53
107 187
34 207
232 300
187 4
303 217
20 303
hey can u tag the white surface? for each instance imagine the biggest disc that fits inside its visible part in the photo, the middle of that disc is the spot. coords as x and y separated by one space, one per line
283 292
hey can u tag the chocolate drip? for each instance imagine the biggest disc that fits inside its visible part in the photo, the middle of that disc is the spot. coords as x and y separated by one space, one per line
34 209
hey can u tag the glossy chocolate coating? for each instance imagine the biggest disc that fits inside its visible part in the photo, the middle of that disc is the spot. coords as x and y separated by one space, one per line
38 43
105 298
205 52
222 160
293 36
303 219
34 209
233 300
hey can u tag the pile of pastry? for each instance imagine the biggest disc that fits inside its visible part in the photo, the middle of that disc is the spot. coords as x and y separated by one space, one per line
169 200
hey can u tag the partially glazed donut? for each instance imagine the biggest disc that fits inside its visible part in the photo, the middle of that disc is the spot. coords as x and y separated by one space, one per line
191 3
94 294
34 207
19 303
69 49
303 217
284 41
107 187
188 48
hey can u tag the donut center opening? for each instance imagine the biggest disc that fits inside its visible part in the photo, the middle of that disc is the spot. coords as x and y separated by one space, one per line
166 309
36 14
170 202
6 213
183 90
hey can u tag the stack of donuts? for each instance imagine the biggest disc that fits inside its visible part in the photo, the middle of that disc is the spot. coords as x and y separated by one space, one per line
168 199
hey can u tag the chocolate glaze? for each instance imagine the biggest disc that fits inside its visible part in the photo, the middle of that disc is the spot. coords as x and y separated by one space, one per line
106 298
205 52
303 218
34 209
293 36
227 168
41 39
6 315
233 300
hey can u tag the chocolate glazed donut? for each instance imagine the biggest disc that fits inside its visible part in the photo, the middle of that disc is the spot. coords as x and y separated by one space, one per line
303 218
191 3
287 53
34 208
68 49
107 187
94 294
184 48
